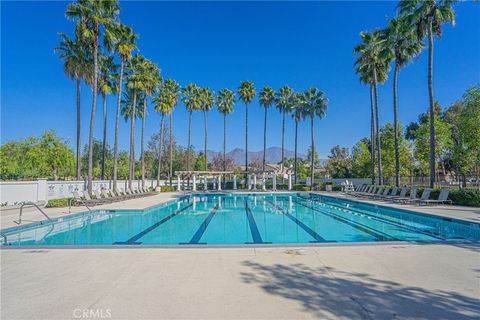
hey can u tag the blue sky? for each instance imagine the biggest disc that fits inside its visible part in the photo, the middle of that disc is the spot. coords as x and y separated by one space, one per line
218 44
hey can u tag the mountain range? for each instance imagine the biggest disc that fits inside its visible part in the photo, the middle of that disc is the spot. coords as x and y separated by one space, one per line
272 155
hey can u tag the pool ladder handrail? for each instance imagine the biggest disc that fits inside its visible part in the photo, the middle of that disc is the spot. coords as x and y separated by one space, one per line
29 203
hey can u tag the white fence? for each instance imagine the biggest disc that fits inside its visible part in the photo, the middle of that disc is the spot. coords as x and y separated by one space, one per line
15 192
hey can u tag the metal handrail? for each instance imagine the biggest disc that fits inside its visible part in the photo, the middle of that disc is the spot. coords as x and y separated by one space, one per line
30 204
77 200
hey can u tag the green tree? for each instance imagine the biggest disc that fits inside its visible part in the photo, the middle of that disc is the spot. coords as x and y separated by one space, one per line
282 98
427 18
225 101
246 93
266 99
296 106
315 104
339 164
405 157
361 159
192 101
402 45
92 15
207 103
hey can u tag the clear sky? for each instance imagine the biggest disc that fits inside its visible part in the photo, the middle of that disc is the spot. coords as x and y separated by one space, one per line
218 44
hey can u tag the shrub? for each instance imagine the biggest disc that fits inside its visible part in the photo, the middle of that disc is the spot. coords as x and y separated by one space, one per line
58 203
167 188
465 197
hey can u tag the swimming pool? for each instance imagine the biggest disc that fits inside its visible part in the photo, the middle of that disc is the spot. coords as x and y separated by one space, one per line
243 219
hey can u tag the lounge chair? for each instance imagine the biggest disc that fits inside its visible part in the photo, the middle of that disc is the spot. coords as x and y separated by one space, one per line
402 194
412 196
98 196
126 194
425 196
86 195
375 193
382 194
391 195
147 192
362 188
370 190
80 199
442 198
120 195
109 195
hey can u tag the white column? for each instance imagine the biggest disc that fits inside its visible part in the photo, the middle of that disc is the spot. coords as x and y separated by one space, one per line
249 183
42 190
254 181
289 181
234 182
264 187
194 176
178 183
274 182
219 183
205 183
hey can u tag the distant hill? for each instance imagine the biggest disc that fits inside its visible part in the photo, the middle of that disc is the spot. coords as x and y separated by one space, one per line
273 155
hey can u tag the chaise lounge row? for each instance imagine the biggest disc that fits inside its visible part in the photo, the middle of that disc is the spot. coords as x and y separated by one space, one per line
393 195
107 196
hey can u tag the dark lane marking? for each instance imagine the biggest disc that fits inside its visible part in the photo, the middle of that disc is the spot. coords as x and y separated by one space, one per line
133 240
376 234
203 227
390 222
306 228
257 238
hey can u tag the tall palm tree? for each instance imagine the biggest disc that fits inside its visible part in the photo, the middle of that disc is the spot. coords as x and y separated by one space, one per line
173 89
266 99
246 93
225 101
371 60
125 44
75 56
282 99
401 45
192 101
296 106
92 15
314 105
427 18
163 106
207 102
107 84
151 74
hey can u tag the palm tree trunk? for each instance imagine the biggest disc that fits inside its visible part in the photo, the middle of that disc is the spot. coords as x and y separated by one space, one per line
189 137
79 119
94 107
224 141
171 151
372 133
312 160
117 120
205 118
379 146
246 143
143 140
432 104
295 162
104 142
283 141
395 126
160 150
264 139
131 172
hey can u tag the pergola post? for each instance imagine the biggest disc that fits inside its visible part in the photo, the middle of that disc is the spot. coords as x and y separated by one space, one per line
274 182
249 182
194 177
264 187
205 183
289 181
234 182
178 183
254 181
219 183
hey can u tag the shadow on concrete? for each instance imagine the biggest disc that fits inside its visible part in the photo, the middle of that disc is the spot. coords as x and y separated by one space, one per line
328 293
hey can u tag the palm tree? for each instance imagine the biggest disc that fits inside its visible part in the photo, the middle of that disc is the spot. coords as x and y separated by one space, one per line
92 15
191 100
163 106
371 60
314 105
173 88
151 74
266 98
124 41
427 17
246 92
225 101
282 98
401 45
75 55
296 106
106 85
207 102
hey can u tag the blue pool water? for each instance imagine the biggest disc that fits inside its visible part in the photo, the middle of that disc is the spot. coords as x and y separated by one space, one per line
244 219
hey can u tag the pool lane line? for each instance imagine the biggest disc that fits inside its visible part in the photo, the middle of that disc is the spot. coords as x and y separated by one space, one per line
390 222
305 228
378 235
203 227
133 240
257 238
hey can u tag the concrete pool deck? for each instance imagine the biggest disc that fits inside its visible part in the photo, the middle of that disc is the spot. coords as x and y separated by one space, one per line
351 281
